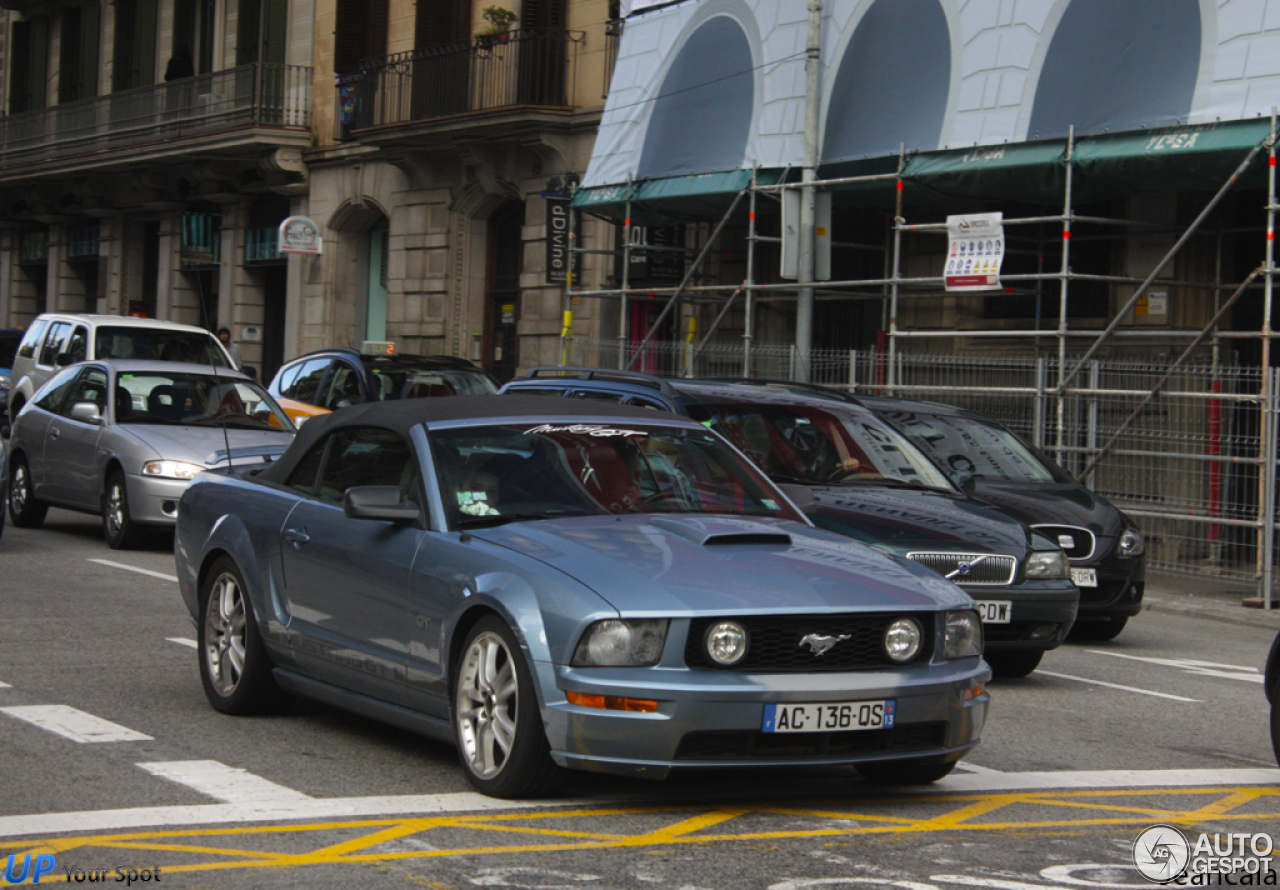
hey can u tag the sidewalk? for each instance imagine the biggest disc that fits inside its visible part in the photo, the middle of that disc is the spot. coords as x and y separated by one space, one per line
1208 599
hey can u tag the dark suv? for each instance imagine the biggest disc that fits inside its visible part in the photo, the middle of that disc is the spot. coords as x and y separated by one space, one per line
854 474
329 379
1106 548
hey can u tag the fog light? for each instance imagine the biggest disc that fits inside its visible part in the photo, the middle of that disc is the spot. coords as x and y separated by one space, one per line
1045 631
726 643
902 640
169 507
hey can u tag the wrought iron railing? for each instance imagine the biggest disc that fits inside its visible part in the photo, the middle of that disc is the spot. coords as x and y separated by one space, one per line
263 245
33 246
530 66
82 242
259 94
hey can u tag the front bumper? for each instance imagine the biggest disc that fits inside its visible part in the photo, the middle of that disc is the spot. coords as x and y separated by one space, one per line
1040 615
1121 584
154 500
710 719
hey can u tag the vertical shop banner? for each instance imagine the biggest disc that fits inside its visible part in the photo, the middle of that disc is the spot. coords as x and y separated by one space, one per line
559 257
975 250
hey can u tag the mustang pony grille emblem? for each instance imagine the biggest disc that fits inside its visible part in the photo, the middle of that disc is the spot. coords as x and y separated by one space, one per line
820 644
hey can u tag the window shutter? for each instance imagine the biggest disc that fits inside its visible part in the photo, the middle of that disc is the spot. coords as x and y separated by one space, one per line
543 14
184 25
275 23
247 21
348 36
145 48
90 34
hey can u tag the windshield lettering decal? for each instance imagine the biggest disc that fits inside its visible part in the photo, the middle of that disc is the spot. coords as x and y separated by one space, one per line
583 429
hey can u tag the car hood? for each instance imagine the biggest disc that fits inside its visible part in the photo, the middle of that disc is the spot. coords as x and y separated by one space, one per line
207 445
1053 503
672 565
914 519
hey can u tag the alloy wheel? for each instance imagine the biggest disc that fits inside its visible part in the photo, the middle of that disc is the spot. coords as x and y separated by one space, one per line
488 694
224 634
20 489
115 508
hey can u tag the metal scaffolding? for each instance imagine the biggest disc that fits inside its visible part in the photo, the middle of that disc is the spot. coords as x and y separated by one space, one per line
895 287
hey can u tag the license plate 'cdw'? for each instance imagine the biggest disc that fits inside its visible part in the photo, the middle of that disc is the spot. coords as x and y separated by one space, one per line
829 716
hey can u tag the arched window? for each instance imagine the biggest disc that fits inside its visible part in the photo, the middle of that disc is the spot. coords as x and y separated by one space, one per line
1152 47
711 79
892 83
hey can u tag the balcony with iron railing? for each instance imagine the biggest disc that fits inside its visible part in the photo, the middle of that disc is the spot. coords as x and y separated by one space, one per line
525 68
219 105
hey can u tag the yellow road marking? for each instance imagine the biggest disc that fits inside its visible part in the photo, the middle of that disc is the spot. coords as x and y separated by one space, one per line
1098 809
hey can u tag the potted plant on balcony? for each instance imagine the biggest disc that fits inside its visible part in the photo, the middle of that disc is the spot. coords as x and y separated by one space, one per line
500 20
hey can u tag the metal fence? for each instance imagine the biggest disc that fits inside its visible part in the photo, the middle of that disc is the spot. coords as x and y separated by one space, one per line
1189 469
530 66
257 94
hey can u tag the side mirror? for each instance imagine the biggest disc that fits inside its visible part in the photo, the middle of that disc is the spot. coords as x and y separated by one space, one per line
963 480
86 412
801 496
64 359
381 502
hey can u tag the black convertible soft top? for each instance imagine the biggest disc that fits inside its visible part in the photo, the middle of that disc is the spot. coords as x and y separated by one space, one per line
401 415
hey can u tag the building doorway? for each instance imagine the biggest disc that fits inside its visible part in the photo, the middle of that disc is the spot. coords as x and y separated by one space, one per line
644 316
502 306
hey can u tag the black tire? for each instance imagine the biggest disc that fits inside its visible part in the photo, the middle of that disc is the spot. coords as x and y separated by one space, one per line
1099 631
522 765
118 527
235 669
24 509
904 772
1014 663
1275 724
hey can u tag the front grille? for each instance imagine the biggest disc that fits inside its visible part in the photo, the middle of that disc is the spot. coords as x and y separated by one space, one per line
774 642
748 745
1078 543
969 568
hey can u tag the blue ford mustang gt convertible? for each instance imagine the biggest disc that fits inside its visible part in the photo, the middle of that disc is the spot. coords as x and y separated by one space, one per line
551 585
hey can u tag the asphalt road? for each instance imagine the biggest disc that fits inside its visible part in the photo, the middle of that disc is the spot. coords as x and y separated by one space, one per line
1166 724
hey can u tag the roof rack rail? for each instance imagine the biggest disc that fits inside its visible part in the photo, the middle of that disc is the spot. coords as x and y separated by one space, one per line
582 373
815 388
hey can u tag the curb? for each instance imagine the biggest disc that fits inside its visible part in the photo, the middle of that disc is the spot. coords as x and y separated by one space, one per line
1220 609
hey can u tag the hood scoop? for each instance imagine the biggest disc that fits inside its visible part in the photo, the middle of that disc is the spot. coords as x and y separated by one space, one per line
708 532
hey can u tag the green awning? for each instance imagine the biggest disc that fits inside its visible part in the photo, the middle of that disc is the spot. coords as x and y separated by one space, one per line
1189 158
1023 171
658 202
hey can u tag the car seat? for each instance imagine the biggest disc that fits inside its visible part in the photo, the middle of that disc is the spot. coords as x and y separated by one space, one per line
167 403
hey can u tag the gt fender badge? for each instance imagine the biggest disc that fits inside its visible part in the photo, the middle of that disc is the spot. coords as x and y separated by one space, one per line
820 644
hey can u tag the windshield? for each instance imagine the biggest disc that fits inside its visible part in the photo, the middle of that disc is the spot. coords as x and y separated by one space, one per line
815 446
986 450
410 383
162 397
159 344
531 471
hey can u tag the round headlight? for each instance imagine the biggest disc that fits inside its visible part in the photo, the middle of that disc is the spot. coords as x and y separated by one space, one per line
726 643
902 640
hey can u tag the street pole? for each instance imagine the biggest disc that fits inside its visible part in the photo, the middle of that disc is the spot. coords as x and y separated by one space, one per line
804 302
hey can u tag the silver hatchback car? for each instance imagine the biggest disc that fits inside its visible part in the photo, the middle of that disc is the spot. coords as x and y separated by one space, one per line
124 439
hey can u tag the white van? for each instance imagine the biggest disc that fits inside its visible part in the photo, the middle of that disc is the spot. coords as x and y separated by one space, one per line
57 339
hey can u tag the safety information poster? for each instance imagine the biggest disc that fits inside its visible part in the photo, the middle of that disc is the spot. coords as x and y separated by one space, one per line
975 251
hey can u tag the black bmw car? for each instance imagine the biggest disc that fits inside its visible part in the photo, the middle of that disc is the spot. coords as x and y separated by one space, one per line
1105 547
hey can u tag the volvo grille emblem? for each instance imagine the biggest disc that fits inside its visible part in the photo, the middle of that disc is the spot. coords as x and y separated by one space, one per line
820 644
965 568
